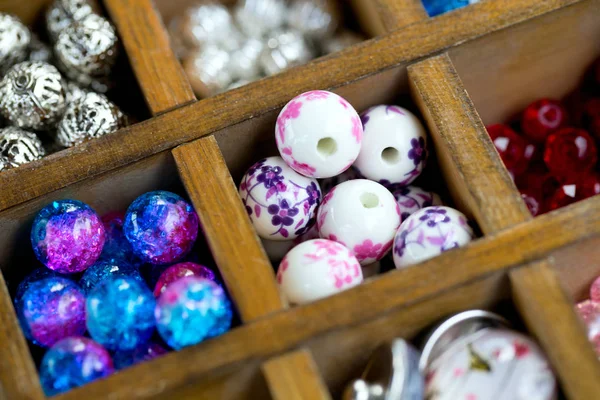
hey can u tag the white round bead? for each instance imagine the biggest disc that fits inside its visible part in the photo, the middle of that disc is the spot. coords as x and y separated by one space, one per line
319 134
316 269
394 148
412 198
428 233
362 215
281 203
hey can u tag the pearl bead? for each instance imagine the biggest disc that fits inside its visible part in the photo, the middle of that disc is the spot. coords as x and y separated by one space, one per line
280 202
411 199
362 215
394 145
317 269
319 134
428 233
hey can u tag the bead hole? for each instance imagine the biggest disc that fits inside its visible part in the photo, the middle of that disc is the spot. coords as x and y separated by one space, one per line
390 155
326 146
369 200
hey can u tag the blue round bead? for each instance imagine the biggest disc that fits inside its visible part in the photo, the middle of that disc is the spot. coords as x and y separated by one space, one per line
105 269
191 310
148 351
120 313
73 362
37 275
116 245
437 7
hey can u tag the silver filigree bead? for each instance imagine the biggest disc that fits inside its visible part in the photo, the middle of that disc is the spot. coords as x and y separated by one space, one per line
284 49
340 41
316 19
14 42
90 116
19 146
63 13
208 22
244 61
4 164
74 92
39 51
258 17
32 95
87 50
207 70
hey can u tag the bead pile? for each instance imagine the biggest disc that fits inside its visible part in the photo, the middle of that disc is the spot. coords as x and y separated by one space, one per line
50 94
551 151
365 165
95 281
224 48
589 311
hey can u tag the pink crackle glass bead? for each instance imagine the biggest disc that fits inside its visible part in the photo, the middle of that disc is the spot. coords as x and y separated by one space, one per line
428 233
570 152
178 271
319 134
67 236
394 146
316 269
363 216
281 203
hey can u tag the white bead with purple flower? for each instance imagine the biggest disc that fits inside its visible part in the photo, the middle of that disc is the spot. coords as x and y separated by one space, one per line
428 233
316 269
280 202
394 145
412 198
363 216
318 134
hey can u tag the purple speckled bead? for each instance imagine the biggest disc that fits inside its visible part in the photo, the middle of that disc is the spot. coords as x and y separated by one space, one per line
161 227
146 352
73 362
67 236
178 271
51 309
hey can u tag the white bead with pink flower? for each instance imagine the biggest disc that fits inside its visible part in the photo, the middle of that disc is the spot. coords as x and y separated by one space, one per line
280 202
363 216
428 233
319 134
316 269
394 146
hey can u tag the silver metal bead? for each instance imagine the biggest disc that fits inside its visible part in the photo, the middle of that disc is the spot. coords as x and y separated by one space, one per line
244 62
207 70
74 92
63 13
90 116
258 17
284 49
4 164
87 50
340 41
39 51
32 95
14 42
209 22
316 19
19 146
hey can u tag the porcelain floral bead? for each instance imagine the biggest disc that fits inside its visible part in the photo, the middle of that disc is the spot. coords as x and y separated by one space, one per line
428 233
412 198
319 134
363 216
280 202
394 145
316 269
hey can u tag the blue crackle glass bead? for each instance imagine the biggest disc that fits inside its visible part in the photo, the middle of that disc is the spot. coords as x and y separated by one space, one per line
116 245
437 7
73 362
161 227
105 269
67 236
120 313
146 352
37 275
51 309
191 310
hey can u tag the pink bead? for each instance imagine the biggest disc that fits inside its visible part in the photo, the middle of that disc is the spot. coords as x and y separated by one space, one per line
178 271
587 309
319 134
595 290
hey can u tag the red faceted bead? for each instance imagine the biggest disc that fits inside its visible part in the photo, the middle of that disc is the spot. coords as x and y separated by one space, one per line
590 116
564 195
543 117
537 179
513 149
534 201
569 153
586 186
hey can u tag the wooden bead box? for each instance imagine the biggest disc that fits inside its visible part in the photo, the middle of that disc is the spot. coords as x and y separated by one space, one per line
462 70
